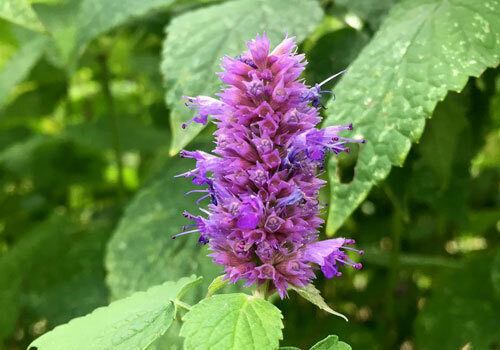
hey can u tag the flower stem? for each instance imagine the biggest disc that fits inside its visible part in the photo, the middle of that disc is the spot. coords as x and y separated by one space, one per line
261 292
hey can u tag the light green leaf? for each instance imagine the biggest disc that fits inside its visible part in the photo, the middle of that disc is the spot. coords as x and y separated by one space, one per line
19 65
310 293
461 310
331 343
423 49
288 348
216 284
142 253
84 20
232 322
20 12
130 323
198 40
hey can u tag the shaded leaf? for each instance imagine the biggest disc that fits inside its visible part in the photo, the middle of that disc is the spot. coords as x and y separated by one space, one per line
462 310
422 50
130 323
313 295
19 65
232 321
372 12
197 40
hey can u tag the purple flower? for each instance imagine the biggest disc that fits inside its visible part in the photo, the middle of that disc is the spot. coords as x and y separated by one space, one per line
262 223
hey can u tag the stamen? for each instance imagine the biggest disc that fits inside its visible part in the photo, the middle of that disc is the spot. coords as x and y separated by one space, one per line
332 77
184 233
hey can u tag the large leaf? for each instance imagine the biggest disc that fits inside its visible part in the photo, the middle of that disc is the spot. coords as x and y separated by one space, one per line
331 343
372 12
462 310
84 20
197 40
232 322
142 253
20 12
423 49
20 64
130 323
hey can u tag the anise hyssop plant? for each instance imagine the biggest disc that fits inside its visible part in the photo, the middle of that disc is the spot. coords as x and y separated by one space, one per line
262 223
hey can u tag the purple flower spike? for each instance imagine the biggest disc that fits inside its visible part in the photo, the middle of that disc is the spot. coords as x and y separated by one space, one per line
262 223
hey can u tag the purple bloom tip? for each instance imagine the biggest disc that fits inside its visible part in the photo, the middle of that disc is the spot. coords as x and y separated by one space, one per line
263 182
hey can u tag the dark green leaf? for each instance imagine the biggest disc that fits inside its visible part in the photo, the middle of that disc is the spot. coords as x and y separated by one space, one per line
421 51
198 40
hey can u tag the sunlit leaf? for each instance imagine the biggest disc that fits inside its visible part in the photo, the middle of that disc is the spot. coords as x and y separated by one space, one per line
20 12
422 50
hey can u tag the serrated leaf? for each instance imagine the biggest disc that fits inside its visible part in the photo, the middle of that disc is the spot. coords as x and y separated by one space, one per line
84 20
20 12
461 310
331 343
216 284
198 40
19 65
130 323
310 293
142 253
232 322
423 49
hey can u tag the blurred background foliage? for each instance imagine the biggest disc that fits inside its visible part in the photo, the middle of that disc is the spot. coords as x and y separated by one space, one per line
88 202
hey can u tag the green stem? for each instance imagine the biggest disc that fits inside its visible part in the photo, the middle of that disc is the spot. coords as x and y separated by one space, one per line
110 108
261 292
182 305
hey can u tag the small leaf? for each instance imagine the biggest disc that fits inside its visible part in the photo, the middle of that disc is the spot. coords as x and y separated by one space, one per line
130 323
20 12
422 50
198 40
289 348
331 343
216 284
232 322
313 295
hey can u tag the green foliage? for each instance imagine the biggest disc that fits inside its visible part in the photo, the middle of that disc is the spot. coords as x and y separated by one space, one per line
461 310
20 12
331 343
198 40
216 284
130 323
232 321
394 84
313 295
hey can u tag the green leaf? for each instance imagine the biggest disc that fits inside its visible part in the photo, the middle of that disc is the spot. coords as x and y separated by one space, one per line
142 253
288 348
462 310
331 343
197 40
84 20
19 65
232 321
20 12
216 284
310 293
422 50
130 323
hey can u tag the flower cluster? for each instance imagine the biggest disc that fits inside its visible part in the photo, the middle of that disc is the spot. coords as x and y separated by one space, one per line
262 223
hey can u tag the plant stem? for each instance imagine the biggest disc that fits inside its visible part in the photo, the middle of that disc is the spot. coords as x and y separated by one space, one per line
182 305
261 292
110 108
